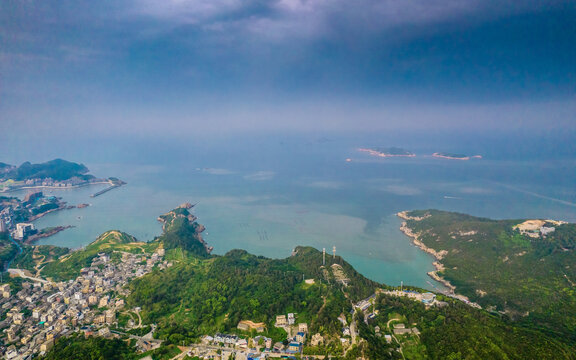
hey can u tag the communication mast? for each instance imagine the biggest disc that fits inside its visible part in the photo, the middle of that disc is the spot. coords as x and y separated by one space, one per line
323 256
334 252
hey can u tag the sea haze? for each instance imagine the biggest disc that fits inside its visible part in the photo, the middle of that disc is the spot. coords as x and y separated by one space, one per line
268 194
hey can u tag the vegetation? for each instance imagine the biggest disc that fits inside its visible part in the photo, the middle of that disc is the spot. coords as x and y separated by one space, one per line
204 294
530 279
57 169
181 231
33 257
4 166
68 267
92 348
457 331
7 250
44 208
201 297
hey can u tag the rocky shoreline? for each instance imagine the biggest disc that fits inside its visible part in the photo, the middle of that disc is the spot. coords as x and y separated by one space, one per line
438 255
52 231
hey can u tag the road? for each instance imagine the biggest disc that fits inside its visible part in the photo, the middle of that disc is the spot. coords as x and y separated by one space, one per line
353 331
20 272
139 319
394 336
207 348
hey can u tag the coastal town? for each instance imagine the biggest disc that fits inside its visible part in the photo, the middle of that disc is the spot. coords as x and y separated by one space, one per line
39 311
42 310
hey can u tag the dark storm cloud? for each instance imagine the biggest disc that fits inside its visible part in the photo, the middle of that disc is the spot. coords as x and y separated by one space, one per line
86 62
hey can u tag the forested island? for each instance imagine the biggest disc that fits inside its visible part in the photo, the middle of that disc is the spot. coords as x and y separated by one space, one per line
174 290
55 173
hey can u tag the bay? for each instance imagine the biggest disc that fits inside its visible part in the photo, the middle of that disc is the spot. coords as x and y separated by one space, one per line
268 195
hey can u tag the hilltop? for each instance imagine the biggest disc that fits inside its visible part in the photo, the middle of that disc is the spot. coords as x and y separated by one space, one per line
69 264
180 230
56 169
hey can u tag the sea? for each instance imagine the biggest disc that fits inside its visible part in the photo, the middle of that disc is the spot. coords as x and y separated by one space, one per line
268 193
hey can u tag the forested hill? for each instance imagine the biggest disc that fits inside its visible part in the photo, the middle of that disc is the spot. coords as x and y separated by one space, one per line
57 169
194 297
182 231
525 269
5 167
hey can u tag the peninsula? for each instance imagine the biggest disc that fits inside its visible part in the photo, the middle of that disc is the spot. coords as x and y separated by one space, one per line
511 267
387 152
54 174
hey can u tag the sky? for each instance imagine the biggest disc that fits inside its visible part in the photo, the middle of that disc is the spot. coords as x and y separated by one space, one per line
183 67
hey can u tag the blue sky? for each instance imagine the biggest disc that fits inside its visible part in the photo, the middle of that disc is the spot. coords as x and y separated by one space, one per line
183 66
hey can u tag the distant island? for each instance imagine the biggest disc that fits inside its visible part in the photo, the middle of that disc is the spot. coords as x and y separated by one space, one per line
55 174
17 215
453 156
388 152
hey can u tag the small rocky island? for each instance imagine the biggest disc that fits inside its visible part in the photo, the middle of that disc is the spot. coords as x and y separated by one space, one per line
387 152
453 156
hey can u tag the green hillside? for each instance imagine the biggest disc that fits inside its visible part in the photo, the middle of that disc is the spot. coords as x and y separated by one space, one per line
68 266
195 297
529 278
7 250
182 231
57 169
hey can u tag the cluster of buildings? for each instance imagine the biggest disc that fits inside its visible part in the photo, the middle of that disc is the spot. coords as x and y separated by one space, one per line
296 333
259 347
427 298
237 354
49 182
14 213
7 214
42 311
23 230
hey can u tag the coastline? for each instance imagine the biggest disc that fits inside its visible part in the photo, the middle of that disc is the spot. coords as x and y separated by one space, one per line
438 255
55 187
63 206
55 230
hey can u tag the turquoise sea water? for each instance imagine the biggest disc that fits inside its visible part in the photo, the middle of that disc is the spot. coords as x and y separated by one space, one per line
269 195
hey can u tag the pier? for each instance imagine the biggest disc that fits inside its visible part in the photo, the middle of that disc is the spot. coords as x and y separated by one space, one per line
105 190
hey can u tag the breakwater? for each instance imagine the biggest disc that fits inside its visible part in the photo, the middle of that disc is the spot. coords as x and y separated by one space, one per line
103 191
